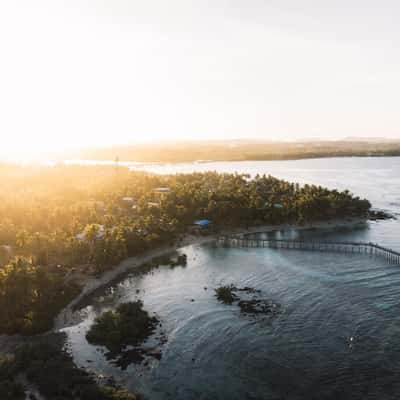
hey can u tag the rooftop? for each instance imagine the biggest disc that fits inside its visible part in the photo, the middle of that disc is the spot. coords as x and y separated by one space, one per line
162 189
202 222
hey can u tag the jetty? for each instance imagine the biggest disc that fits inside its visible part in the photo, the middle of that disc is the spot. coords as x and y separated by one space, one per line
370 249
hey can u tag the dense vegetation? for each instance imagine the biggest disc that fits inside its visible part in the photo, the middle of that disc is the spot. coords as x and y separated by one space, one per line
30 295
10 389
65 221
53 372
129 324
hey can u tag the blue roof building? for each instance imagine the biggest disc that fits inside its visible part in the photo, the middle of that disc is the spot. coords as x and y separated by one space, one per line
203 223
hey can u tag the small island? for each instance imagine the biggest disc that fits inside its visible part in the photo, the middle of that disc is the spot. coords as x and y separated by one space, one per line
128 325
124 331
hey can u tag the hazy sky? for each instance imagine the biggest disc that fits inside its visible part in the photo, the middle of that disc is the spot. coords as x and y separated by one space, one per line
96 72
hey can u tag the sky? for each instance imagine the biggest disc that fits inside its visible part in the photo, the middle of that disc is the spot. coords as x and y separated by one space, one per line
79 73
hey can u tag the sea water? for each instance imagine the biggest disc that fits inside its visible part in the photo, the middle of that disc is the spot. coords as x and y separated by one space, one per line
337 335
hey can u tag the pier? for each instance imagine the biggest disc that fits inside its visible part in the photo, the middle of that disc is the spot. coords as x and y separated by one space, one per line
370 249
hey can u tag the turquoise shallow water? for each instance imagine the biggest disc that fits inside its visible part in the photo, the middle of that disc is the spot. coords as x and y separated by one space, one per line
214 352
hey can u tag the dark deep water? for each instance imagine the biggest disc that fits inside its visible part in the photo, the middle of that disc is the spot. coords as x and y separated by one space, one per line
306 352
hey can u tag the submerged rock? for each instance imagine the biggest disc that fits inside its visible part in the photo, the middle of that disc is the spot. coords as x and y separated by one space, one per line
247 299
258 306
375 215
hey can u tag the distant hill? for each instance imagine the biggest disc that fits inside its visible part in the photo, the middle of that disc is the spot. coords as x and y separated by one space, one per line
240 150
368 139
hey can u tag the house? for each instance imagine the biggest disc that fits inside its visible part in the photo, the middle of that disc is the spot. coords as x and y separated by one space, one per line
201 227
161 190
128 199
202 223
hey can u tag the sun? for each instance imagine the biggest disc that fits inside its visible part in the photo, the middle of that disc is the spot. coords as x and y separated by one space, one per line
47 145
34 147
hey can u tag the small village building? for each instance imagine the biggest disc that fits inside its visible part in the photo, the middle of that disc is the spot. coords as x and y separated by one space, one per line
128 199
202 223
275 205
200 226
162 190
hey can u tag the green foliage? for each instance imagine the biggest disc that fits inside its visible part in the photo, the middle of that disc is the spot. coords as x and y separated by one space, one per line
52 370
44 210
226 294
76 216
30 297
9 389
128 325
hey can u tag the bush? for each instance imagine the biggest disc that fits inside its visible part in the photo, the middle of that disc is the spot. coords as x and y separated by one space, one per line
53 371
226 294
128 325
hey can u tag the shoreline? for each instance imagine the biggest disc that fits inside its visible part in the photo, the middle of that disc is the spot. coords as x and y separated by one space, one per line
129 163
65 318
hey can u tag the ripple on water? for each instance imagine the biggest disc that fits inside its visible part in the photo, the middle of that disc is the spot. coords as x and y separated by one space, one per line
337 335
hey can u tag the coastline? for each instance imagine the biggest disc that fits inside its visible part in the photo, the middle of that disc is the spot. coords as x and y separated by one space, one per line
66 316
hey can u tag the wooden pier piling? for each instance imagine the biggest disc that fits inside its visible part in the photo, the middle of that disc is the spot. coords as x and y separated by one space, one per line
371 249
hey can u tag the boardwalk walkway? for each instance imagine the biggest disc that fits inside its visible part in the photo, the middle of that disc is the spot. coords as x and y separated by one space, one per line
371 249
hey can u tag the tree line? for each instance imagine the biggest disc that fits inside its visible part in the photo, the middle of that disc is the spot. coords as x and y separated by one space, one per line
55 220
